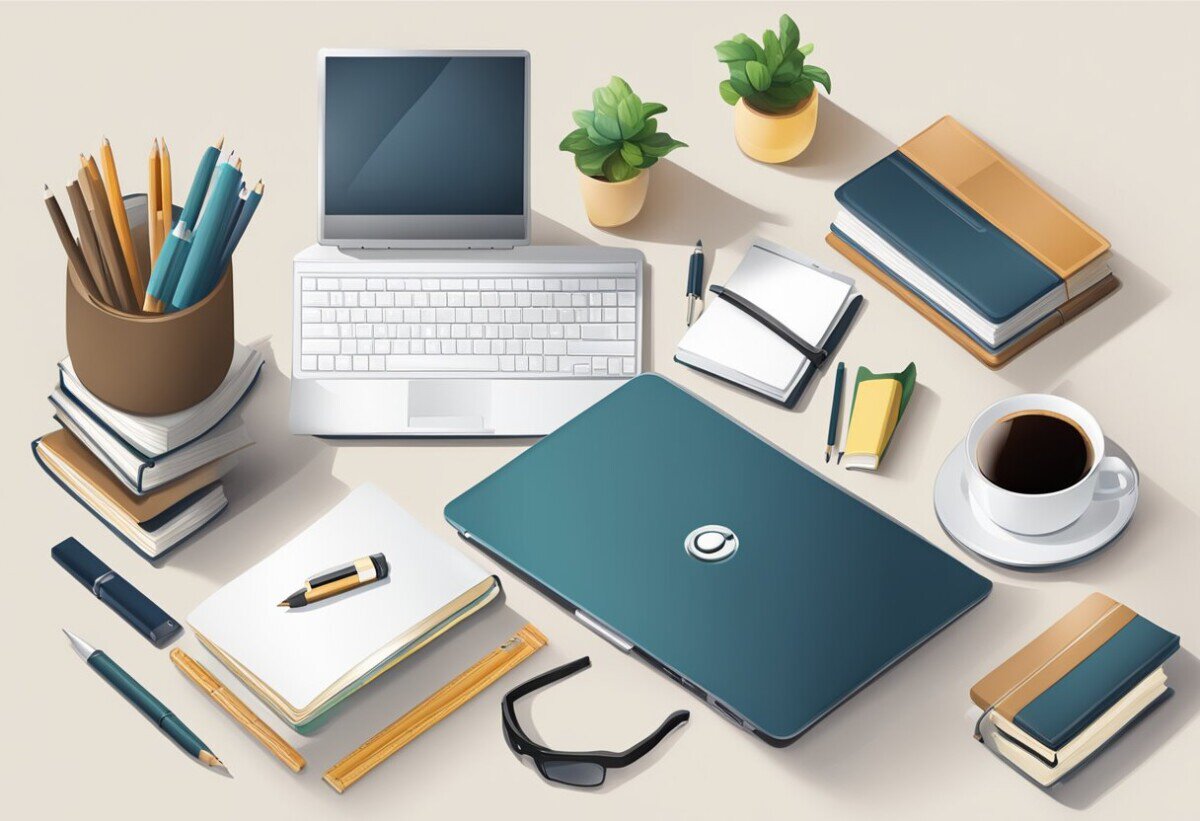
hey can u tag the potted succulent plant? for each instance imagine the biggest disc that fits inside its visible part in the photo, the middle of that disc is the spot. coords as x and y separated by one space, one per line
773 92
614 146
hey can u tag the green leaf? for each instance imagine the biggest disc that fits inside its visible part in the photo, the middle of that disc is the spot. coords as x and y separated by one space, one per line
649 128
576 141
806 49
660 145
629 115
650 109
817 75
789 35
789 70
759 54
604 100
648 161
631 153
786 97
592 162
728 92
759 75
740 82
583 118
608 127
730 51
616 169
773 50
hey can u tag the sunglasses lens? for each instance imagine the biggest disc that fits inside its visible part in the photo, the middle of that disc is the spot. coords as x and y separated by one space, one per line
574 773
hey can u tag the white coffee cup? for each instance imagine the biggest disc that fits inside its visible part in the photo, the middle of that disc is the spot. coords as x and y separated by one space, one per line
1034 514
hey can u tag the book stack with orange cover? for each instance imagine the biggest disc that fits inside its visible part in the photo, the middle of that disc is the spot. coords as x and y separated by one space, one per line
153 480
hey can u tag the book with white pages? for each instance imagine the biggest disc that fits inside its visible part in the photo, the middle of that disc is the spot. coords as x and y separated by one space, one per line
139 473
152 524
153 436
733 338
303 662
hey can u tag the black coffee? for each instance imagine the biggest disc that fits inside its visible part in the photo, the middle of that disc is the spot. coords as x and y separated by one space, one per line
1034 452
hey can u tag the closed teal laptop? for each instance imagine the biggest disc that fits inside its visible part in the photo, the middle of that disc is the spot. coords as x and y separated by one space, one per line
814 595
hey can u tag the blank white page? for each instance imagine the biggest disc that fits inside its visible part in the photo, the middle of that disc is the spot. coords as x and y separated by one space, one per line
804 297
299 653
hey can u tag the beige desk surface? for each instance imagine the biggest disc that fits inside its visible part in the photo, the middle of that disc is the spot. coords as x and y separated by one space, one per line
1096 102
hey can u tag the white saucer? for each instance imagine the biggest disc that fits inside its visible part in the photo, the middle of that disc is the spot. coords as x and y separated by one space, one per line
967 525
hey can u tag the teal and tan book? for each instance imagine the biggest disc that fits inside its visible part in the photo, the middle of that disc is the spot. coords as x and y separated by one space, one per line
966 238
1074 689
876 405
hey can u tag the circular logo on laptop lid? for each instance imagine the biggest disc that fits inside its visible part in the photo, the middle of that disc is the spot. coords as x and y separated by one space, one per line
711 543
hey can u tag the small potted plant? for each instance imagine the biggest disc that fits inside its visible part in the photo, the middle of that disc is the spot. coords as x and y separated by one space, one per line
773 92
614 146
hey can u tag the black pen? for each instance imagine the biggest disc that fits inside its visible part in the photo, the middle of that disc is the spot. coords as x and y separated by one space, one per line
339 580
835 413
695 280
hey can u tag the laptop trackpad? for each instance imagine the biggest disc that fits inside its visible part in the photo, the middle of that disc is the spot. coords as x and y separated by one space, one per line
450 405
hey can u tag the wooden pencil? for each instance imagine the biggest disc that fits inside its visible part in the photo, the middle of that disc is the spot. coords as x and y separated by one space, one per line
154 205
89 239
165 200
237 710
468 684
79 266
88 244
116 205
106 236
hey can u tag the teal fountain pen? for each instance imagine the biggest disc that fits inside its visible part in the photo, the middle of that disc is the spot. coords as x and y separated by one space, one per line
146 704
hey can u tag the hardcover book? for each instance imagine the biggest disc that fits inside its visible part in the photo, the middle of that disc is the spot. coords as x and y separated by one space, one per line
964 237
1075 688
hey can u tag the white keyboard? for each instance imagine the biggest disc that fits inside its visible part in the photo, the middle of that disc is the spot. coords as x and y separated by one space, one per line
561 324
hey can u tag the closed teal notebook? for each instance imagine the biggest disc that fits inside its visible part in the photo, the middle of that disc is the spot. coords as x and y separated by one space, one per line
822 594
946 238
1097 683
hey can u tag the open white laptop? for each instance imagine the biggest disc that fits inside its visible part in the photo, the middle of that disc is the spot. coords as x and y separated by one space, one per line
424 310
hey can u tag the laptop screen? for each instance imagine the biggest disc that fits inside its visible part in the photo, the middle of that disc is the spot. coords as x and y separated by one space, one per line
424 146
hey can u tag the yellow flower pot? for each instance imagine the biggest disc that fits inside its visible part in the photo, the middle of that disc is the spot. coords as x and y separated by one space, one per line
775 138
609 204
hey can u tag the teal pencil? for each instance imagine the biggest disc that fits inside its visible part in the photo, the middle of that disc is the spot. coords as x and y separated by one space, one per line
208 240
167 268
196 194
227 232
248 206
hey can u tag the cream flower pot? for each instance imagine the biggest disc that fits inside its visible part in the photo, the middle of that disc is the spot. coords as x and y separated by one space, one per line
609 204
775 138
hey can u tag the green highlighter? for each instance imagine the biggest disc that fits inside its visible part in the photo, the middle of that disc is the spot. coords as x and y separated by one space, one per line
145 703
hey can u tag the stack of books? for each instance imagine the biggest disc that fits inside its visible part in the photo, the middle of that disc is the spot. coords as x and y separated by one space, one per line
961 235
153 480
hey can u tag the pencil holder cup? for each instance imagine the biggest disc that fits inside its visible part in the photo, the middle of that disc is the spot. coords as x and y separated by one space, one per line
150 364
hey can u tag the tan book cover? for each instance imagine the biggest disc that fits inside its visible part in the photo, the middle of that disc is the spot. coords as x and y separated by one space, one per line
87 476
976 173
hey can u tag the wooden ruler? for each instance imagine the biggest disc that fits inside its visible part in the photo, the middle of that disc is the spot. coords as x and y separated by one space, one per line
468 684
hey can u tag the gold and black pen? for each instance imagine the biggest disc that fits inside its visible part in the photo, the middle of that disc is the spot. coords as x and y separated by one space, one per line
339 580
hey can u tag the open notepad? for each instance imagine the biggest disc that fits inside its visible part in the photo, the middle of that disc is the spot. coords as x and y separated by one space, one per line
812 302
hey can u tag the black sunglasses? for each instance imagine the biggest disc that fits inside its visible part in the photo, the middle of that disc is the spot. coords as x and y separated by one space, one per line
574 769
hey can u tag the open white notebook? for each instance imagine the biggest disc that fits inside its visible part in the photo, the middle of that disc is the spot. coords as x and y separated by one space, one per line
805 297
302 662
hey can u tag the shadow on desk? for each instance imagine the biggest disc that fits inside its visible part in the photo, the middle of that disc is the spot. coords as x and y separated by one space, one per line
682 207
274 489
1037 369
842 146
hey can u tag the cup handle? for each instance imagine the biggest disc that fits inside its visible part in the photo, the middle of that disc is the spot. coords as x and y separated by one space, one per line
1113 465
